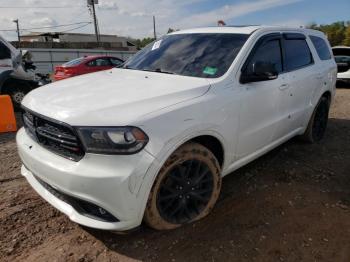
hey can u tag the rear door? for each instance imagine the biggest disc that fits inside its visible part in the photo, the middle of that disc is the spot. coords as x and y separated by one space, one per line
303 76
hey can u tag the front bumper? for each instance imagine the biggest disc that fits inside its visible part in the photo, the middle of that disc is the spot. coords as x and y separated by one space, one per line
344 80
114 183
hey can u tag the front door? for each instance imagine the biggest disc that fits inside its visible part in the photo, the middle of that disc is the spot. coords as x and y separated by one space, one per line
259 113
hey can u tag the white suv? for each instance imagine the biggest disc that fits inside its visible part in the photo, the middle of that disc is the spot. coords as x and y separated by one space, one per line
152 140
342 58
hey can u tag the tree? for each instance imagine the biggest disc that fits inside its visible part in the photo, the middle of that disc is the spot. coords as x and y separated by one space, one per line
347 36
141 43
336 32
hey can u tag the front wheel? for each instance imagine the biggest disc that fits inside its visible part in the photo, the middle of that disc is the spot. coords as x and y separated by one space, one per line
17 95
318 123
186 189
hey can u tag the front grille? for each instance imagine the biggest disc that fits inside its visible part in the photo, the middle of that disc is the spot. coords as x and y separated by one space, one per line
56 137
81 206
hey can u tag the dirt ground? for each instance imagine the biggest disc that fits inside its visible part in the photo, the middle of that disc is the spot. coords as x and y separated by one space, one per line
292 204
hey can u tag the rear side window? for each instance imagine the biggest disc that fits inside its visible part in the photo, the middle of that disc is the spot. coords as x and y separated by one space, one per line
116 62
103 62
321 47
269 52
297 54
99 62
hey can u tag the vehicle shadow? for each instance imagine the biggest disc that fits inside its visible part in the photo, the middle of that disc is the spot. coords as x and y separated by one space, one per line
253 199
342 85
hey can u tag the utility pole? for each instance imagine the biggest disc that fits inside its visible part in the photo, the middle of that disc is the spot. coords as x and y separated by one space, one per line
18 33
154 27
92 3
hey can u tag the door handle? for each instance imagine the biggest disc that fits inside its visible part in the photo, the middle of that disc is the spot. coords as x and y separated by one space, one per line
284 86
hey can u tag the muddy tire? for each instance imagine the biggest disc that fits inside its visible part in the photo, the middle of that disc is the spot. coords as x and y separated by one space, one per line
186 189
318 123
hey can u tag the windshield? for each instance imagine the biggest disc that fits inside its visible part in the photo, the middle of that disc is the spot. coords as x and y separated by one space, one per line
74 62
198 55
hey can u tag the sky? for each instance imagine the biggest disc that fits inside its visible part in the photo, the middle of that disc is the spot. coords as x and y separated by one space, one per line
133 18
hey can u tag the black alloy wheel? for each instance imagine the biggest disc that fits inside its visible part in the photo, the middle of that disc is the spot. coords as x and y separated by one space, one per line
185 192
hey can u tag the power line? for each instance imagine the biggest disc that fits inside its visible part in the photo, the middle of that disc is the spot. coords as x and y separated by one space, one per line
40 7
69 30
46 27
79 15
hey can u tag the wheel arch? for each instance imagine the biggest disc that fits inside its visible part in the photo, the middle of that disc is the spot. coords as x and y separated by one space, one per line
213 144
328 95
207 138
10 83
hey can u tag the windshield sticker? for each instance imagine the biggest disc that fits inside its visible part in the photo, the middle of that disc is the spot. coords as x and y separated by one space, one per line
210 70
156 45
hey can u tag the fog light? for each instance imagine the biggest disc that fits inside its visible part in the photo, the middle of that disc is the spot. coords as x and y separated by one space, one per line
102 211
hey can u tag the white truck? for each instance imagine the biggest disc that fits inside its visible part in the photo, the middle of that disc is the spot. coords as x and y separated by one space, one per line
14 79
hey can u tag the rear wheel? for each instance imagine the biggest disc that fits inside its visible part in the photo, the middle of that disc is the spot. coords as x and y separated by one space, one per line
186 189
318 123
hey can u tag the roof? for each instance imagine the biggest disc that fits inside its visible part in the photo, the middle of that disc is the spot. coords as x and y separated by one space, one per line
248 29
341 46
220 29
63 33
97 56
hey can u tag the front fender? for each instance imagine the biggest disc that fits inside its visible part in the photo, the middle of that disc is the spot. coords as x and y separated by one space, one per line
145 184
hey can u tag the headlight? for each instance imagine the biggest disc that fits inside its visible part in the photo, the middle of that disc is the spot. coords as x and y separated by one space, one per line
112 140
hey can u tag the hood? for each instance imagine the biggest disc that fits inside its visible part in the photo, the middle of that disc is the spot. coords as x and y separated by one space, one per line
113 97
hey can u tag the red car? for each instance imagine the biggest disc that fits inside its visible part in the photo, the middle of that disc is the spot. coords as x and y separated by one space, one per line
85 65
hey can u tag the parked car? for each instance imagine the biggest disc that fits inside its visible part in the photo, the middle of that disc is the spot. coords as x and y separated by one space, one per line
15 80
152 140
342 57
85 65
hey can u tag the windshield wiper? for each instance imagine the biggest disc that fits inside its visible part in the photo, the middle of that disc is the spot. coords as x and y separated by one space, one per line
158 70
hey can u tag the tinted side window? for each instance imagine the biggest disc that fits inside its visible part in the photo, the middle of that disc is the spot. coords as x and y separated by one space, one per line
116 62
103 62
321 47
91 63
297 54
99 62
269 52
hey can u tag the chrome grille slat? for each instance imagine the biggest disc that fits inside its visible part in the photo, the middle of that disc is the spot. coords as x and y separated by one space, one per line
56 137
48 136
54 133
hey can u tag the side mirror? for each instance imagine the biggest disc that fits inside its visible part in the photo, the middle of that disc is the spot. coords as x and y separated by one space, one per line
259 71
5 52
